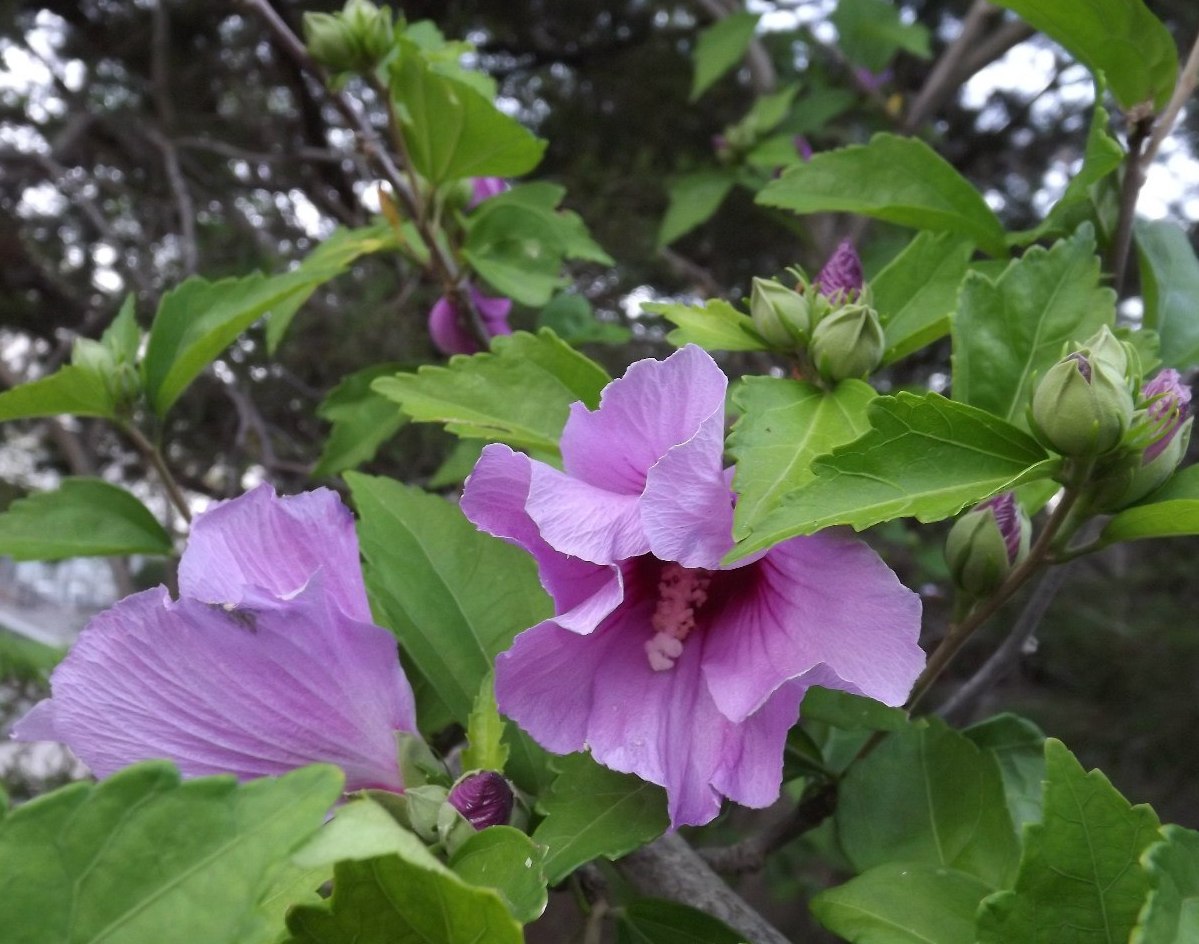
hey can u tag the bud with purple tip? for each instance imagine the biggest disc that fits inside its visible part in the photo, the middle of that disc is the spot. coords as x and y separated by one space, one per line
484 798
1082 406
1162 432
484 188
841 279
986 543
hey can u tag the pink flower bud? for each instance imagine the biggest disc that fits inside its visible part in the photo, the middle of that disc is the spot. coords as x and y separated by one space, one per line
484 798
450 332
1169 406
842 274
803 147
484 188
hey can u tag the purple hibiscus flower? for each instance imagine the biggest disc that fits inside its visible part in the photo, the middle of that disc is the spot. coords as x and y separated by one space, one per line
659 659
484 188
267 661
452 336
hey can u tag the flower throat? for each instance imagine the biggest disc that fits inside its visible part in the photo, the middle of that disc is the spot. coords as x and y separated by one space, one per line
681 592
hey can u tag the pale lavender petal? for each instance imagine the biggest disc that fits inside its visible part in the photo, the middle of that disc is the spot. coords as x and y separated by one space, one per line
598 692
811 602
275 544
494 500
253 691
656 405
583 520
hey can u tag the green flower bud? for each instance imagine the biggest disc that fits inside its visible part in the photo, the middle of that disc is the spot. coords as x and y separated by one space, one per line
1153 474
848 342
780 314
986 543
1104 346
1082 406
351 41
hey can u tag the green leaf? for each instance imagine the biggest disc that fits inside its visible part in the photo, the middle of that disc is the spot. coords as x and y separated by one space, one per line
362 419
520 393
900 180
1171 511
1170 282
485 748
930 796
717 326
361 829
720 47
1118 39
923 455
82 518
1171 913
651 921
592 811
454 596
784 425
917 291
693 200
903 903
75 390
850 712
1008 332
571 317
507 860
144 857
870 33
1079 876
1019 747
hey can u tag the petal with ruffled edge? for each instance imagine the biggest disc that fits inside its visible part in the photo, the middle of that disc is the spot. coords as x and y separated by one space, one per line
579 519
494 501
655 406
598 692
275 544
254 691
813 602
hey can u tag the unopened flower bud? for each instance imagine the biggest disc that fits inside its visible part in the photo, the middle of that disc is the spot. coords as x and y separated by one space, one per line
986 543
847 343
484 188
841 278
1082 406
1166 421
1103 345
779 314
484 797
351 41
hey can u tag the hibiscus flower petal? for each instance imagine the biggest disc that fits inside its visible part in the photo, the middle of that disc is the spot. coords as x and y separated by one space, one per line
581 520
812 602
253 691
656 405
275 544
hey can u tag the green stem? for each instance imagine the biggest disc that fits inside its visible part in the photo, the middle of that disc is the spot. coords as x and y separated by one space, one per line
152 455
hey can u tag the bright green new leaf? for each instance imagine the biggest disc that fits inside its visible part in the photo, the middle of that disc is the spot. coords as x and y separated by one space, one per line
82 518
485 747
719 48
1171 913
1171 511
1019 747
900 180
928 795
362 419
361 829
519 393
917 291
451 130
903 903
1008 332
70 389
145 857
923 456
1080 879
1120 40
717 326
784 425
693 200
454 596
651 921
592 811
850 712
870 33
1170 282
507 860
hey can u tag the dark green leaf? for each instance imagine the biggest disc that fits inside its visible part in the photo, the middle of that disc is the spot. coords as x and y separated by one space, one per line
870 33
454 596
928 795
1117 39
1171 511
362 421
1080 879
785 424
592 811
850 712
900 180
918 290
507 860
520 393
1019 747
924 456
1170 281
650 921
82 518
693 200
719 48
144 857
571 318
1008 332
1171 914
903 903
717 326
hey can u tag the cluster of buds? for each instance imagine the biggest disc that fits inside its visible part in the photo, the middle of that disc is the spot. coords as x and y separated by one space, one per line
828 321
447 818
987 543
354 40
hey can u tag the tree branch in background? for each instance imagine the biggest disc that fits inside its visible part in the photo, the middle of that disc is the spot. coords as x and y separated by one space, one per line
1188 79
